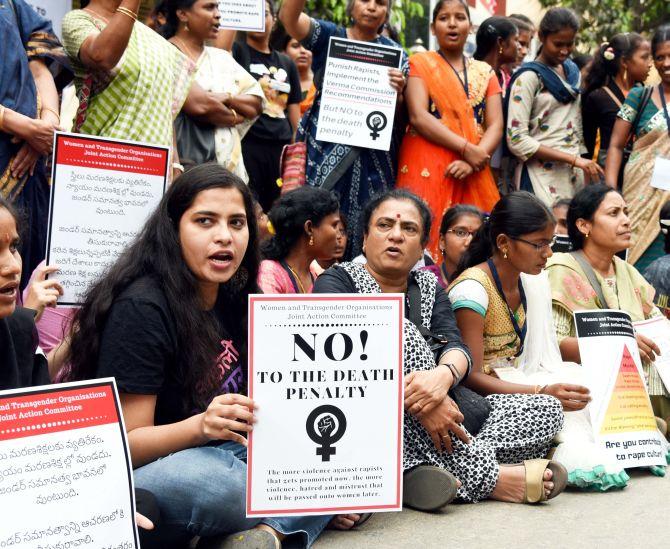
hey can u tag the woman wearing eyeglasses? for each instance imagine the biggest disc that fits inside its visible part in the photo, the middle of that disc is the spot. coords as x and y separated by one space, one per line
459 224
501 299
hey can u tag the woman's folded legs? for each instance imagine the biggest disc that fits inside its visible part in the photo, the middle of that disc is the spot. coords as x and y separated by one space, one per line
202 492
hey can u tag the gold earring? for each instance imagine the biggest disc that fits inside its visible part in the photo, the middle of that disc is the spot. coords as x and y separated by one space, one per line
504 254
443 251
625 76
186 27
500 50
587 235
311 240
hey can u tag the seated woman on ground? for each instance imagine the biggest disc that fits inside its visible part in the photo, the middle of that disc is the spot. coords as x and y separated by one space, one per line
22 364
169 321
459 224
599 228
501 301
441 442
306 224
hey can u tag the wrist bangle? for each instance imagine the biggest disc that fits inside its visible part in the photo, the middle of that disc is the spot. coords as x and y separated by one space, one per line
465 146
127 12
454 373
178 166
574 161
52 111
234 115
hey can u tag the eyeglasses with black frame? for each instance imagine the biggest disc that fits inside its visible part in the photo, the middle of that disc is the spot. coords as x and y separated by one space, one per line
461 233
538 246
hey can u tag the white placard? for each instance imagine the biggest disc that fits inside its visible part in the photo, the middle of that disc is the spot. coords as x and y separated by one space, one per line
244 15
621 413
357 100
326 375
102 192
658 330
660 177
65 472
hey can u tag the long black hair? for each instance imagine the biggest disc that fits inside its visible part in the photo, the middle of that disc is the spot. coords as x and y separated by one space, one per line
156 253
515 215
399 194
608 59
290 213
489 31
582 206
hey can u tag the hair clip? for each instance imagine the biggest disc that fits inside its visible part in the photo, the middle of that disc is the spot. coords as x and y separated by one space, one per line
609 53
271 228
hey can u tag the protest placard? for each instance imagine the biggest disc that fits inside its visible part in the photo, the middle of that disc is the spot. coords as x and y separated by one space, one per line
244 15
658 330
357 100
326 374
65 473
621 414
102 192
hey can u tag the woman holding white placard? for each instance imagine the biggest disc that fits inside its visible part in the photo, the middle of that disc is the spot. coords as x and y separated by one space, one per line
357 174
169 321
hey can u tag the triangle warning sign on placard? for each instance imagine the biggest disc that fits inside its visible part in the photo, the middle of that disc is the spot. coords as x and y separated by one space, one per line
629 408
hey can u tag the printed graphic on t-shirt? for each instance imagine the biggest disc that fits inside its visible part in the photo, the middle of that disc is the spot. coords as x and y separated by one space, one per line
232 372
276 88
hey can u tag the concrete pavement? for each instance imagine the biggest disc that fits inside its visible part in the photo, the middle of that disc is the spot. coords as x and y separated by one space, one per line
632 518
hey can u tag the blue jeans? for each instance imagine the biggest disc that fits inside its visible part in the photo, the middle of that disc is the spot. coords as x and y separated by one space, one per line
202 492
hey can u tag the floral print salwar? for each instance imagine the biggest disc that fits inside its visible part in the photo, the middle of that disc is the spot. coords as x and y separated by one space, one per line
535 118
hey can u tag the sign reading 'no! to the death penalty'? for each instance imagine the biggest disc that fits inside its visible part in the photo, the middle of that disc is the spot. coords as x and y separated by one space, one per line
326 375
357 100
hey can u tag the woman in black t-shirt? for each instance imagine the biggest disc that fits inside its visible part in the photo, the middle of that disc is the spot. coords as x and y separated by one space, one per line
168 321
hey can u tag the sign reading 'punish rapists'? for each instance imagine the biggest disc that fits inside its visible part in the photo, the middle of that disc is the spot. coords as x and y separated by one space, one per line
358 102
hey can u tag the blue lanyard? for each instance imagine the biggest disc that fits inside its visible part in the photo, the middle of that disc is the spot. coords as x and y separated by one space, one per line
520 332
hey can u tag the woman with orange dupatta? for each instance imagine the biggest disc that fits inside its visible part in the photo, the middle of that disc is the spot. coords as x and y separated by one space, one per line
444 157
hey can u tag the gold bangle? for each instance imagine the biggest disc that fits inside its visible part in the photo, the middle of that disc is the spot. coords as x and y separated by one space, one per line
2 118
52 111
574 161
127 13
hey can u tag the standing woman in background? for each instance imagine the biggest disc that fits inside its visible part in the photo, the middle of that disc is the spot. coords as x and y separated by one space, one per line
620 65
498 45
455 114
355 173
28 118
190 23
302 58
645 114
543 114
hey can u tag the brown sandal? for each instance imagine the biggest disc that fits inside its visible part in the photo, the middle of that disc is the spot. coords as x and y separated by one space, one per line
534 492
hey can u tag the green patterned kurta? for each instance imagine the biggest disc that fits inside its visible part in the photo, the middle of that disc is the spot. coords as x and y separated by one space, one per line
139 99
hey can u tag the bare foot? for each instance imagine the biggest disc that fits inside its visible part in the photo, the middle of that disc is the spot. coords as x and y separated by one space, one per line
343 522
511 485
